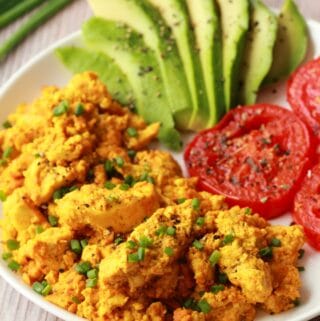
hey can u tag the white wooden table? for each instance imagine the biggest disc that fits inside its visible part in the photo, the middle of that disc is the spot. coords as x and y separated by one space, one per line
13 306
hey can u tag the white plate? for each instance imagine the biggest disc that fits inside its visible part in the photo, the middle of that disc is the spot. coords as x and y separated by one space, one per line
45 69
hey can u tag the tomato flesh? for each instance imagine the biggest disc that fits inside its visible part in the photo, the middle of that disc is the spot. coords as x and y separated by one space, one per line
303 93
307 206
256 156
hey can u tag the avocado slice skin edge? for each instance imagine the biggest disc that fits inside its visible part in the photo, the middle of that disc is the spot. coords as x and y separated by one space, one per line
141 69
258 52
291 44
234 17
206 25
146 20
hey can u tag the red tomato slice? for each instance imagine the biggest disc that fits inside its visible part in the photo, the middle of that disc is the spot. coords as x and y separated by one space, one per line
307 206
303 93
256 156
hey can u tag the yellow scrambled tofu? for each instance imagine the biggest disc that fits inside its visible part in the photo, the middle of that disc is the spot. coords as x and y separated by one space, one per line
108 229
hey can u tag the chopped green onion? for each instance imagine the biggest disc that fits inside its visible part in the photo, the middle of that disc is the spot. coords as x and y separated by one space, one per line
60 193
109 185
200 221
79 110
301 268
301 254
217 288
53 221
92 274
145 242
168 251
222 278
6 255
119 161
171 230
14 265
275 242
108 166
214 257
61 109
13 245
6 124
181 200
132 132
38 287
133 258
204 306
84 243
131 244
144 176
91 283
161 230
266 253
296 302
73 188
195 203
197 244
75 300
3 196
129 179
190 303
76 246
39 229
228 239
141 253
248 211
124 187
7 152
47 290
118 240
132 153
83 267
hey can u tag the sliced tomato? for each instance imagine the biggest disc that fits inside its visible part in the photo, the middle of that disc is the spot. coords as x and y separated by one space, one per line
256 156
307 206
303 93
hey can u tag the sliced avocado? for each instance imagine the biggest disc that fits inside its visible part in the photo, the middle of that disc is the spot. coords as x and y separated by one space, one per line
291 44
143 18
258 52
234 17
78 60
206 24
140 66
175 14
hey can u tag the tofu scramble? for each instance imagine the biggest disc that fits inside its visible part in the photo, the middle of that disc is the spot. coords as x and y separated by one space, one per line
108 229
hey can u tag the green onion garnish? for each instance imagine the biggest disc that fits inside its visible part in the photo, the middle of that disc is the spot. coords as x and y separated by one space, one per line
61 109
13 245
214 257
79 110
132 132
168 251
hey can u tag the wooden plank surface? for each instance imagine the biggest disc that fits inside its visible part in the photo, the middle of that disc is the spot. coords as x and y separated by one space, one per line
13 306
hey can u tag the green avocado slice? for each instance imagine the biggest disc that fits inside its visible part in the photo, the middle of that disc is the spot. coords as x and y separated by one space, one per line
258 54
206 24
291 44
175 14
234 16
78 60
146 20
140 66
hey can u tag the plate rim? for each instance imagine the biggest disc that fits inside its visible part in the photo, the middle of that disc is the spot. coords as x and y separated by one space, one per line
15 280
